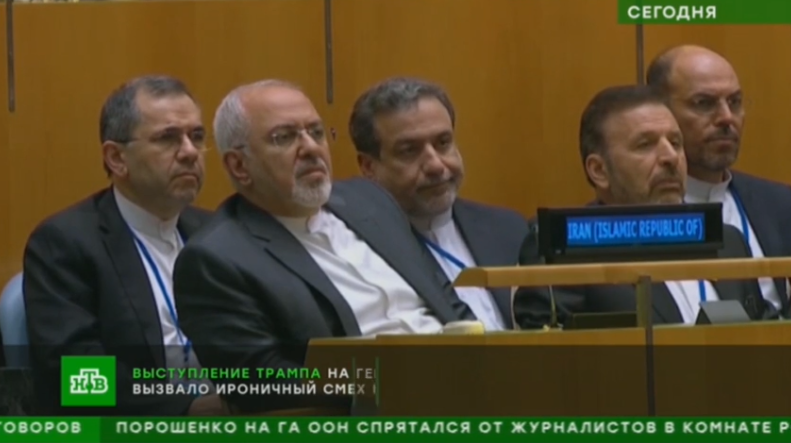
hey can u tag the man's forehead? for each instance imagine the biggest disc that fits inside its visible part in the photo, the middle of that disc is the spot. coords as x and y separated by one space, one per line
704 74
642 120
276 106
168 110
426 117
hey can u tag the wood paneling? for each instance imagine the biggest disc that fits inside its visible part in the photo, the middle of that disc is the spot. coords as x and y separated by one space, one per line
9 265
519 73
70 56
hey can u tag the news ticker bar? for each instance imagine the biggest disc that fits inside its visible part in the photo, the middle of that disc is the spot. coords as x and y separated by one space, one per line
91 381
384 430
720 12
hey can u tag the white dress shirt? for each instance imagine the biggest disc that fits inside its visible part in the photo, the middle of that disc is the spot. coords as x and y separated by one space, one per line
382 301
702 192
443 234
163 243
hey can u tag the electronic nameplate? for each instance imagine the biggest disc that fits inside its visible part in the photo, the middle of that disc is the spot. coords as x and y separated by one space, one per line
594 234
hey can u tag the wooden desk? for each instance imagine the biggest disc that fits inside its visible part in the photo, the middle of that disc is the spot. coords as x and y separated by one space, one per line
706 370
735 370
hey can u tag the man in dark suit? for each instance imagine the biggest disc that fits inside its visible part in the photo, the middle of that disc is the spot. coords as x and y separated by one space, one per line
403 130
633 153
293 256
703 92
98 274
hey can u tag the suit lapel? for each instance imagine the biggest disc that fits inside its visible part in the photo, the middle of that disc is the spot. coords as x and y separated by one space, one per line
131 272
476 235
282 245
189 223
399 255
664 304
763 227
729 289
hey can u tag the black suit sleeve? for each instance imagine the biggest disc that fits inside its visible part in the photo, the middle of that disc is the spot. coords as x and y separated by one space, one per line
463 312
219 310
533 305
61 308
764 310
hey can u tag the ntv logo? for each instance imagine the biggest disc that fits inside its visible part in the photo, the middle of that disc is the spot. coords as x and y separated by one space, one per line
87 381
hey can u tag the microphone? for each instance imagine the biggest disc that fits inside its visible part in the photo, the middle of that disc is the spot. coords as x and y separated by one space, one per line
553 315
553 307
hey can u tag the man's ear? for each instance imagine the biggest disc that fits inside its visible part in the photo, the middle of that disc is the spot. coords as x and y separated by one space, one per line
115 158
235 165
597 170
367 165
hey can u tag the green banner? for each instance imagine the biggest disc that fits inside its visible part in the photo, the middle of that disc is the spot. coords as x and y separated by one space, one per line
392 430
720 12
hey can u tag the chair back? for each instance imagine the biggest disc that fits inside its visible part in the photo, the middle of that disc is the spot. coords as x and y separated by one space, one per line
13 324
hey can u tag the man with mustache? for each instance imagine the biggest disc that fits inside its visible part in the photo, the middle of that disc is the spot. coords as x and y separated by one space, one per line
703 92
403 130
294 256
632 151
97 275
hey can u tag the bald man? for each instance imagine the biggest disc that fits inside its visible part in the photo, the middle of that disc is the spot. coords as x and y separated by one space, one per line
704 94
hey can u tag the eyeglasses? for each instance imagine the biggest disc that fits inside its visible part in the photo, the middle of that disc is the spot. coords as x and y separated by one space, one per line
286 137
713 105
172 140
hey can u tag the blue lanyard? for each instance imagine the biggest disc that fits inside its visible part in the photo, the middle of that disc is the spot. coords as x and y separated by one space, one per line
745 232
185 343
702 290
742 218
443 253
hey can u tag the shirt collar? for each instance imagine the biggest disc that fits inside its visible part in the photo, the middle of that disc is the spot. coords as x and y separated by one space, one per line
429 224
305 225
703 192
143 221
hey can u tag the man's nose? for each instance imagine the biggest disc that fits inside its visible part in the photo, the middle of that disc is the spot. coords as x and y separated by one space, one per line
189 149
433 164
725 116
668 153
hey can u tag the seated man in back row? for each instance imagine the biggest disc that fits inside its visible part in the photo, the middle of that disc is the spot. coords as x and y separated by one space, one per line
633 154
403 130
294 256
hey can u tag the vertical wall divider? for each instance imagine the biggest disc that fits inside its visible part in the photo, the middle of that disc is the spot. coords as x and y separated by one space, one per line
640 52
9 42
328 58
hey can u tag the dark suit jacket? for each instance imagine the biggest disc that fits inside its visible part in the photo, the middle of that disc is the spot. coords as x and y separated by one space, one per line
494 237
768 207
532 306
250 295
87 293
2 353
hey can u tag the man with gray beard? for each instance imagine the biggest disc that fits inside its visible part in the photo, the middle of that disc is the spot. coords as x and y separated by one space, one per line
293 256
404 133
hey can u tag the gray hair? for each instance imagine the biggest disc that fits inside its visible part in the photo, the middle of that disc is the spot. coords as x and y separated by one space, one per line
392 95
231 125
120 114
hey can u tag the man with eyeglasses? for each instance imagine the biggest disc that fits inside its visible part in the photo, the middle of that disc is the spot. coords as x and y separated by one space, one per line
98 275
704 94
294 256
404 132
